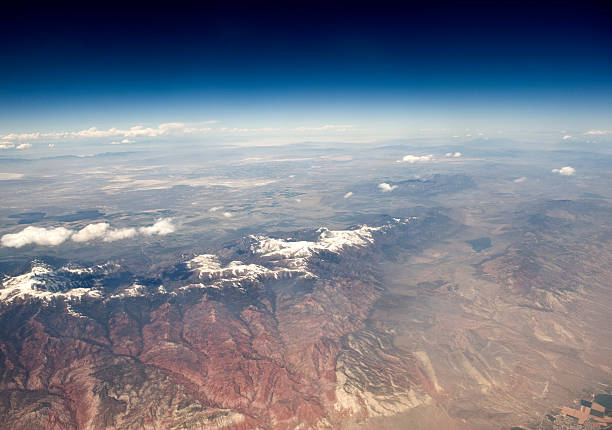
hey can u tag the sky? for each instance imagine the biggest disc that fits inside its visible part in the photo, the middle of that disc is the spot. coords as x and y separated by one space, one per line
378 65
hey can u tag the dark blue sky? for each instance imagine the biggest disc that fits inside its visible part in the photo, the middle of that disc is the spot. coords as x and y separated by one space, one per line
105 61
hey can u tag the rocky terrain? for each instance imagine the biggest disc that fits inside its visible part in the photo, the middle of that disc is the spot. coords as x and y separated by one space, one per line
269 333
402 323
509 333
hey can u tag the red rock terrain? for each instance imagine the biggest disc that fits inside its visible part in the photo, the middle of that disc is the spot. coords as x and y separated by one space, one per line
266 353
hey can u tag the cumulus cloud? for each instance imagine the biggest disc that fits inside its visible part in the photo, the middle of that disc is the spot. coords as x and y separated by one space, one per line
348 195
119 142
103 231
519 180
135 131
248 130
597 132
6 145
37 236
454 154
162 227
117 135
10 176
565 171
415 158
215 208
119 234
327 127
52 145
91 232
24 146
566 137
227 214
98 231
386 188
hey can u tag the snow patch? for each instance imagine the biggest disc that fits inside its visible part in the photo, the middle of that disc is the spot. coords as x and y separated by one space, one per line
294 255
235 273
45 283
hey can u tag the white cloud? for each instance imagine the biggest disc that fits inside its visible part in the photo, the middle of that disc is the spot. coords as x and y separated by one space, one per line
215 208
168 126
227 214
519 180
162 227
195 130
91 232
100 231
122 141
119 234
416 158
135 131
597 132
454 154
36 235
565 171
117 135
52 145
566 137
248 130
327 127
349 194
24 146
385 188
10 176
6 145
25 136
